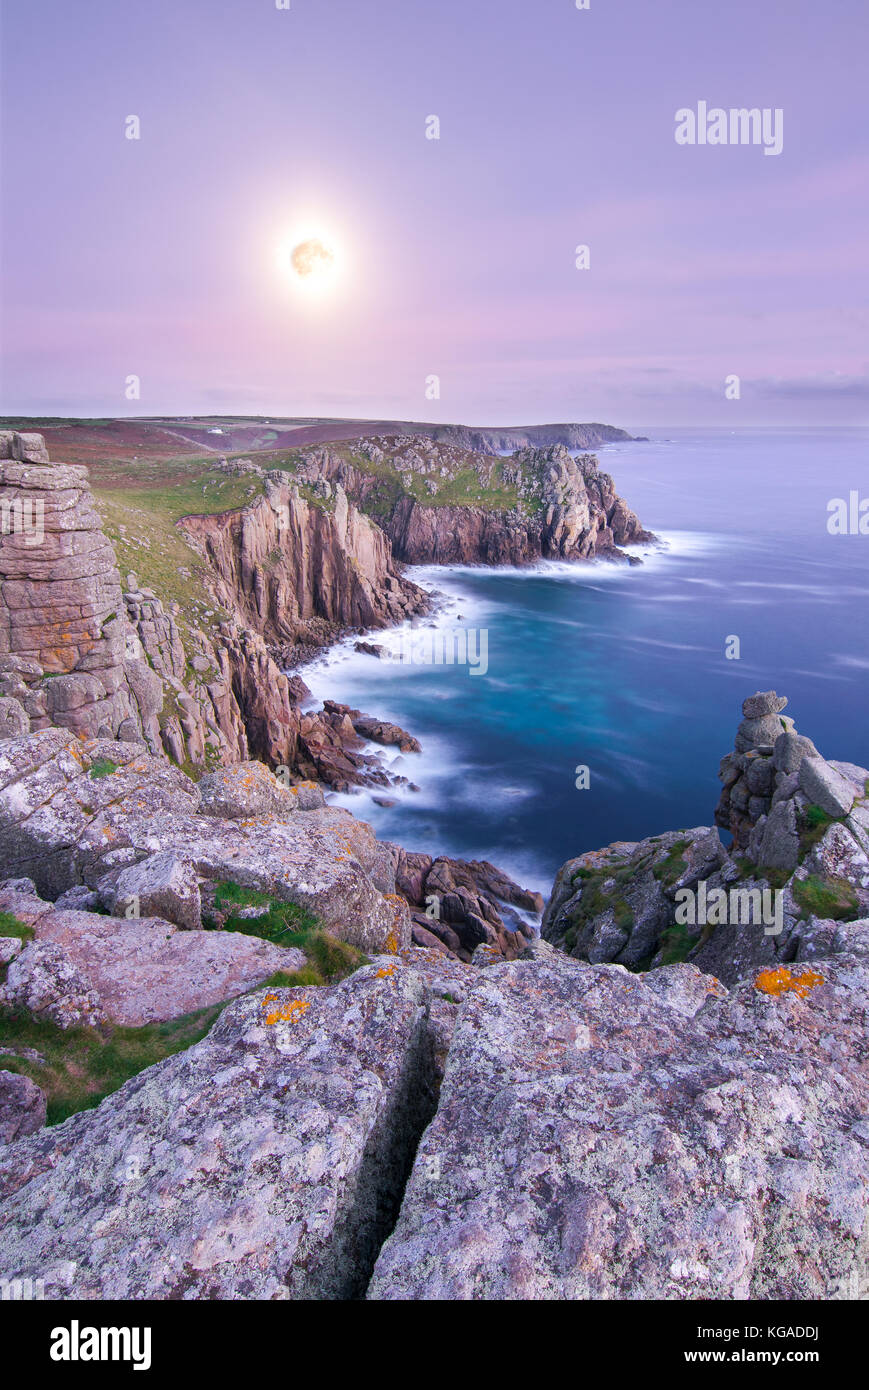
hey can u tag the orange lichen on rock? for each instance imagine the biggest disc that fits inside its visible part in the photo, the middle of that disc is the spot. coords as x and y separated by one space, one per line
288 1013
781 981
386 972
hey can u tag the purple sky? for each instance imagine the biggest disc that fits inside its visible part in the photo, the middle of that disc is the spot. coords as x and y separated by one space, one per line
157 257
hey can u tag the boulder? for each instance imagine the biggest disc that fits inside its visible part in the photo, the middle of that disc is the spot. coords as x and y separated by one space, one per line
603 1135
22 1107
142 970
762 703
163 885
14 720
29 448
246 790
779 843
79 899
265 1162
825 787
10 947
789 750
760 776
758 733
45 982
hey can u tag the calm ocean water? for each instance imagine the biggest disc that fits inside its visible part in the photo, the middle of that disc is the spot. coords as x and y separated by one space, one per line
623 668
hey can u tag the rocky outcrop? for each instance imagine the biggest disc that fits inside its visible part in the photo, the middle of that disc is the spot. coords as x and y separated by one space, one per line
66 656
460 905
22 1107
565 509
577 515
265 1162
377 730
85 969
793 886
601 1135
74 812
299 573
619 903
496 441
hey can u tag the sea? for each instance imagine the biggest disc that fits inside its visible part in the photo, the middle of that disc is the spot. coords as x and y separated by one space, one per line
611 691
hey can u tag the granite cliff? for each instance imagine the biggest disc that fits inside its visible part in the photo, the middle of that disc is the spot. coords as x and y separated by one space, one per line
297 572
80 651
441 503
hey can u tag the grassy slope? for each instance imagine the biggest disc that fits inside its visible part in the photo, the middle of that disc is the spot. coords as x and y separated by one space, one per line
82 1066
145 478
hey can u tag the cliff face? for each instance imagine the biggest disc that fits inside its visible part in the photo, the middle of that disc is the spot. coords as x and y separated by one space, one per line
579 516
78 652
541 503
294 570
572 436
66 655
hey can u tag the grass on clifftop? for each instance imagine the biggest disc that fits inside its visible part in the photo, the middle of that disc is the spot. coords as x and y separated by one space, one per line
832 898
82 1066
10 926
287 924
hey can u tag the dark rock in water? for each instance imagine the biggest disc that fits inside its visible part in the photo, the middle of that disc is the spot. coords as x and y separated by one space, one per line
298 691
367 726
368 648
473 902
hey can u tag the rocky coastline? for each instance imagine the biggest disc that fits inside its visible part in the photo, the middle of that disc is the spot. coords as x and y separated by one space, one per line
358 1071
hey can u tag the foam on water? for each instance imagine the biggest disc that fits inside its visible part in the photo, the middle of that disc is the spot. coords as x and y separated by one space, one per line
622 668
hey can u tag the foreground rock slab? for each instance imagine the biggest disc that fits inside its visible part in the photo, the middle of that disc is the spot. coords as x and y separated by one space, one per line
263 1163
607 1135
88 969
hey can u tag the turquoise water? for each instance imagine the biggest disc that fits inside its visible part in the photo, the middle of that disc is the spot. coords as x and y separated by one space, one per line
623 668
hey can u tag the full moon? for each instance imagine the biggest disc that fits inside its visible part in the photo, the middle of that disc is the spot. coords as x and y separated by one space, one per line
310 261
312 258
